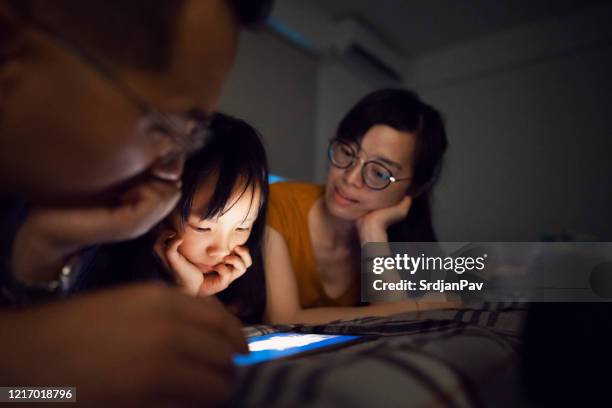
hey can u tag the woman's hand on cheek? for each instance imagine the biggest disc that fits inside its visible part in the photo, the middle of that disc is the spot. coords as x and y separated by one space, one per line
372 227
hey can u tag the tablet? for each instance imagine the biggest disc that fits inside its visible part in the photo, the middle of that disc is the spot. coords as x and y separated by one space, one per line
279 345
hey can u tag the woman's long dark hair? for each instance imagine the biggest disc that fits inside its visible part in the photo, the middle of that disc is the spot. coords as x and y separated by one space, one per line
404 111
234 152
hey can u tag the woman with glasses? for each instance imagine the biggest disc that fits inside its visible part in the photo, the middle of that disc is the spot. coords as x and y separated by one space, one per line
384 160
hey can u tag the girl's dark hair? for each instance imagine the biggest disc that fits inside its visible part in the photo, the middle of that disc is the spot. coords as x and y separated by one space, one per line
404 111
234 152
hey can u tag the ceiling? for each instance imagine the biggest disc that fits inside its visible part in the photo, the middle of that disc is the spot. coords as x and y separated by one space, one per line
418 27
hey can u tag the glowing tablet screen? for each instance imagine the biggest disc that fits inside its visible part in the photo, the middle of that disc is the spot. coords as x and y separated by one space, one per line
277 345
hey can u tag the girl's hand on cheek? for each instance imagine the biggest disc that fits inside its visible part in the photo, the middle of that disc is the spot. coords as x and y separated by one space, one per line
224 273
188 276
372 227
235 264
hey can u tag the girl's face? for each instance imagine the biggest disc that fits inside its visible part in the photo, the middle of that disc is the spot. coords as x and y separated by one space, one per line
207 242
348 197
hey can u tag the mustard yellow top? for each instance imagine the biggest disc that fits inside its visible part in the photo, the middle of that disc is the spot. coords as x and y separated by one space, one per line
288 209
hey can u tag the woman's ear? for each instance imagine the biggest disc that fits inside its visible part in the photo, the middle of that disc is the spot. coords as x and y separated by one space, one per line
412 191
415 192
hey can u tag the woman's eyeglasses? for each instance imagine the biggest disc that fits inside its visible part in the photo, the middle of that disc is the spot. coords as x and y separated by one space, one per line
375 175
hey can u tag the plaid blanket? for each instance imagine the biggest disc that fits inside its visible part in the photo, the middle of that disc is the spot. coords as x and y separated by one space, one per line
444 358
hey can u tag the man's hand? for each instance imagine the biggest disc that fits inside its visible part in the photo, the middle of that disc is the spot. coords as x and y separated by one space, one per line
139 345
49 235
191 279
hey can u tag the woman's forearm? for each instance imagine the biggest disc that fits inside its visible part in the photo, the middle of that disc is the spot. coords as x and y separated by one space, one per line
328 314
322 315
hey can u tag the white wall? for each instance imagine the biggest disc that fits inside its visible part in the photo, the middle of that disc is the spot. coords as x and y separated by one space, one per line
528 114
295 99
273 87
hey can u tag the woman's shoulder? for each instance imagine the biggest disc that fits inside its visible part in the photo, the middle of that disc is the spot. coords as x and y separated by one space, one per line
295 190
289 203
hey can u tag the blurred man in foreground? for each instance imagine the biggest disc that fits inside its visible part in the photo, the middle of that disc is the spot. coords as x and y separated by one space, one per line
100 103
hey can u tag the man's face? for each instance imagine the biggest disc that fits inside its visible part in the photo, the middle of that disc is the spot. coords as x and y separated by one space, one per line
67 133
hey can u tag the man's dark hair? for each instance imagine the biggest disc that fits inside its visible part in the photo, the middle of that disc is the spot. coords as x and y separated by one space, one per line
137 33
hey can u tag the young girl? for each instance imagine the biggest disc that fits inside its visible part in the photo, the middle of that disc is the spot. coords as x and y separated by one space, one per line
211 243
214 235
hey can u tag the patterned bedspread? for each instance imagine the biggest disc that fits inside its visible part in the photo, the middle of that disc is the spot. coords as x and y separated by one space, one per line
445 358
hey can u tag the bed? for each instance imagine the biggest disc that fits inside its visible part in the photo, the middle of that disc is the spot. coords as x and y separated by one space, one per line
444 358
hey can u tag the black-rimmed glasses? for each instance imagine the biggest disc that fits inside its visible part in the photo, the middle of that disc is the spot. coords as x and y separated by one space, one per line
375 174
